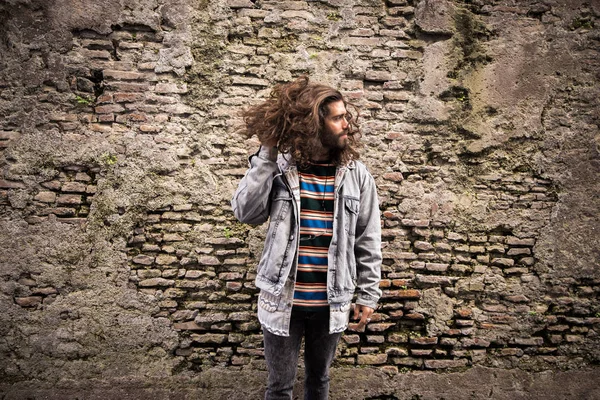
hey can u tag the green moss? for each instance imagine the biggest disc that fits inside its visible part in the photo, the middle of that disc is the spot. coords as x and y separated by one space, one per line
236 229
582 22
108 159
334 16
83 101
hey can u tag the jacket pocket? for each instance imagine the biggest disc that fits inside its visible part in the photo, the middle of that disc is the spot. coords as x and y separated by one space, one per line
277 242
268 302
351 206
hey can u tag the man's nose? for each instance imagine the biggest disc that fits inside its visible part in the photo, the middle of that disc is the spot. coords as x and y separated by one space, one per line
344 122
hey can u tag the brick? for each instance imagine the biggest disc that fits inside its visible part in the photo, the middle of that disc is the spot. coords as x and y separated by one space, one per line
173 237
476 249
411 54
434 280
74 187
208 260
503 262
424 341
156 282
416 222
515 352
209 338
402 294
351 339
360 41
101 54
146 66
128 97
119 86
393 176
45 197
518 251
149 273
425 246
464 312
415 316
555 339
362 32
240 316
11 184
407 10
195 274
375 339
436 267
164 259
166 88
372 359
234 286
517 298
379 76
396 351
534 341
397 338
574 338
444 364
445 341
242 80
240 4
475 342
456 237
379 327
59 211
131 117
123 75
515 241
108 109
69 199
394 22
211 318
28 301
106 117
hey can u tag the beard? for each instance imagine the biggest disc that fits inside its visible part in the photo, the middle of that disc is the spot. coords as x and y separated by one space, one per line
334 141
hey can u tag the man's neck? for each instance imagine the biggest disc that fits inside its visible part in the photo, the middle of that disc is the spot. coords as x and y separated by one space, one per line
322 156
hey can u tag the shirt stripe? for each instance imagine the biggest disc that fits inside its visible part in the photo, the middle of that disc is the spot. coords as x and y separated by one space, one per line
316 227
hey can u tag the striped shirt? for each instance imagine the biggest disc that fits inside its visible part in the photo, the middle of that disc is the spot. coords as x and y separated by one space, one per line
316 228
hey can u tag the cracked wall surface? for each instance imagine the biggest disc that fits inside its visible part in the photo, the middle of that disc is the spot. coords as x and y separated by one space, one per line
119 153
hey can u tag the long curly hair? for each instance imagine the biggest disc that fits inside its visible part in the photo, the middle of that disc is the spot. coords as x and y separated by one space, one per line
293 117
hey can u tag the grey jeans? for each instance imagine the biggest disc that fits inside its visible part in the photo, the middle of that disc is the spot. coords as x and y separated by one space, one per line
281 354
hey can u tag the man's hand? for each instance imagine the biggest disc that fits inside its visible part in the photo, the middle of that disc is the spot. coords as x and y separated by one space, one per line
364 313
272 142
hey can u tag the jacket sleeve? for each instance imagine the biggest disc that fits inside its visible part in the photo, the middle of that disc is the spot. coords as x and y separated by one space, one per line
251 200
367 248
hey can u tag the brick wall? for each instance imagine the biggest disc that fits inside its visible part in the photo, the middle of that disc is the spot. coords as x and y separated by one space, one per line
122 138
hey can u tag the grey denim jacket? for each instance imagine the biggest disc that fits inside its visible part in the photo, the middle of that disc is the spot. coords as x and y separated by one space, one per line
270 190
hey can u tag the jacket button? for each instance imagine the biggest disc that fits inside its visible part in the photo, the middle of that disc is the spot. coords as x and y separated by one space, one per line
292 237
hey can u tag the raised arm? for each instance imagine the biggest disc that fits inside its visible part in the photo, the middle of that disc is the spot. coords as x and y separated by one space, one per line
251 200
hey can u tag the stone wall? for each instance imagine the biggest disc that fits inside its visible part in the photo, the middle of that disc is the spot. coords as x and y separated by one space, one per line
119 153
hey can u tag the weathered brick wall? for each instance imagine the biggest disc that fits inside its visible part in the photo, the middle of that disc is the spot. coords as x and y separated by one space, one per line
119 156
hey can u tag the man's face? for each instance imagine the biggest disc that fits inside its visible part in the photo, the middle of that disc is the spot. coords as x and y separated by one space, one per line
335 127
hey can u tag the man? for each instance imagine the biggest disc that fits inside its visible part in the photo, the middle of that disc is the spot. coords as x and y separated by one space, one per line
324 235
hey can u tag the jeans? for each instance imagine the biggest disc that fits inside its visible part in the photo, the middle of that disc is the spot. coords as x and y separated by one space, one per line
281 354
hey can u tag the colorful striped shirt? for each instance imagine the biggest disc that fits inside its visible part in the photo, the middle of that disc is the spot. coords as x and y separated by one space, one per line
316 228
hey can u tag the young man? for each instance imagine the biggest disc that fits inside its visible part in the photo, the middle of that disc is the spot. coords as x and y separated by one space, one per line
324 236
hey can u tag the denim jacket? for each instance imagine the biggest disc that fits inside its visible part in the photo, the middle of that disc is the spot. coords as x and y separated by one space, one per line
270 190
